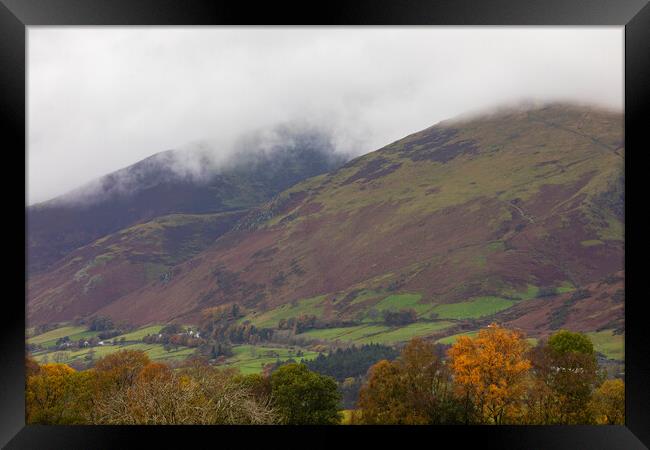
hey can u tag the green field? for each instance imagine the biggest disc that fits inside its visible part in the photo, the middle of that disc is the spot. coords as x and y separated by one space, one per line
55 334
365 295
270 319
344 333
333 334
138 334
451 339
401 301
478 307
251 359
609 344
154 351
404 334
381 334
49 338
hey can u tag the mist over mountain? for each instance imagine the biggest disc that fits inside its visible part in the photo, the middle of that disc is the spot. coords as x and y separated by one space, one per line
188 181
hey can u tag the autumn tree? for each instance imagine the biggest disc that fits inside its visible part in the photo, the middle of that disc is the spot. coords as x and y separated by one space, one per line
31 366
414 389
122 367
489 373
566 371
195 395
56 395
608 403
381 398
258 384
303 397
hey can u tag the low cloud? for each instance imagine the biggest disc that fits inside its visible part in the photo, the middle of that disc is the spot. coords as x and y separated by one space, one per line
262 155
100 99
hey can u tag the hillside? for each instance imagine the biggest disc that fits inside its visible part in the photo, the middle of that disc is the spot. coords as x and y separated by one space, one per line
175 182
516 215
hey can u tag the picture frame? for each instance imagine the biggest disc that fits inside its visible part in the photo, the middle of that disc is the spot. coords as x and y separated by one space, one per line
634 15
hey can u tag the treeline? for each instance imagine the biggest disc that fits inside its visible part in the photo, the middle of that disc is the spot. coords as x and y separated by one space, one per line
494 378
349 367
126 388
350 362
224 325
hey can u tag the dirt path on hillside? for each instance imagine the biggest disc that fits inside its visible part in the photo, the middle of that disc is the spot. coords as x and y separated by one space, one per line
584 135
521 212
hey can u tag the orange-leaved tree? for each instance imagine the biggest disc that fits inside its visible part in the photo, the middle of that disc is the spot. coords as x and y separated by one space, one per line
414 389
490 374
56 394
122 367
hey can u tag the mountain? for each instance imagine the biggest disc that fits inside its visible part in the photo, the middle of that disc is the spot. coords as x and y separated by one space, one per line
176 182
515 215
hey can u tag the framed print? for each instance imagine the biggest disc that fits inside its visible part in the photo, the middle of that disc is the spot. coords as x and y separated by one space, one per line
401 221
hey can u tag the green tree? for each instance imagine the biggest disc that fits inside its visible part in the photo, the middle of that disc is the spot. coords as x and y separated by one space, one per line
564 342
101 323
303 397
566 367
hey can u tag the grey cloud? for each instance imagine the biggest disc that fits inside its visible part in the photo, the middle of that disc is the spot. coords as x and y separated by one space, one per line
103 98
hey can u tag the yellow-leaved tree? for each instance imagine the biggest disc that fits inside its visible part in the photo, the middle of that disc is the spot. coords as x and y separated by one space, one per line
608 403
55 395
490 374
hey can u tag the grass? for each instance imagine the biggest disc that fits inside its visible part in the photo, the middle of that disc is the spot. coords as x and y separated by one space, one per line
348 334
565 287
380 334
406 333
396 302
478 307
401 301
251 359
609 344
154 351
75 333
73 338
365 295
591 242
138 334
55 334
451 339
270 319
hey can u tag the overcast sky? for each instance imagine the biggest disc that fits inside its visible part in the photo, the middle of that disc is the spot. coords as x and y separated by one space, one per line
100 99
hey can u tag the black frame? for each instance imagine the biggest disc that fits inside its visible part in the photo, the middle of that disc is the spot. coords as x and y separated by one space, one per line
15 15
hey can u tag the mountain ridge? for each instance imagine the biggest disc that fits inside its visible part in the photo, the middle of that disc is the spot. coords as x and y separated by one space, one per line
455 213
165 183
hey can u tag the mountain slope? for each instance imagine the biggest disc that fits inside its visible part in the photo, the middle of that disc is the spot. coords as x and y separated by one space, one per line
501 206
516 215
175 182
99 273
